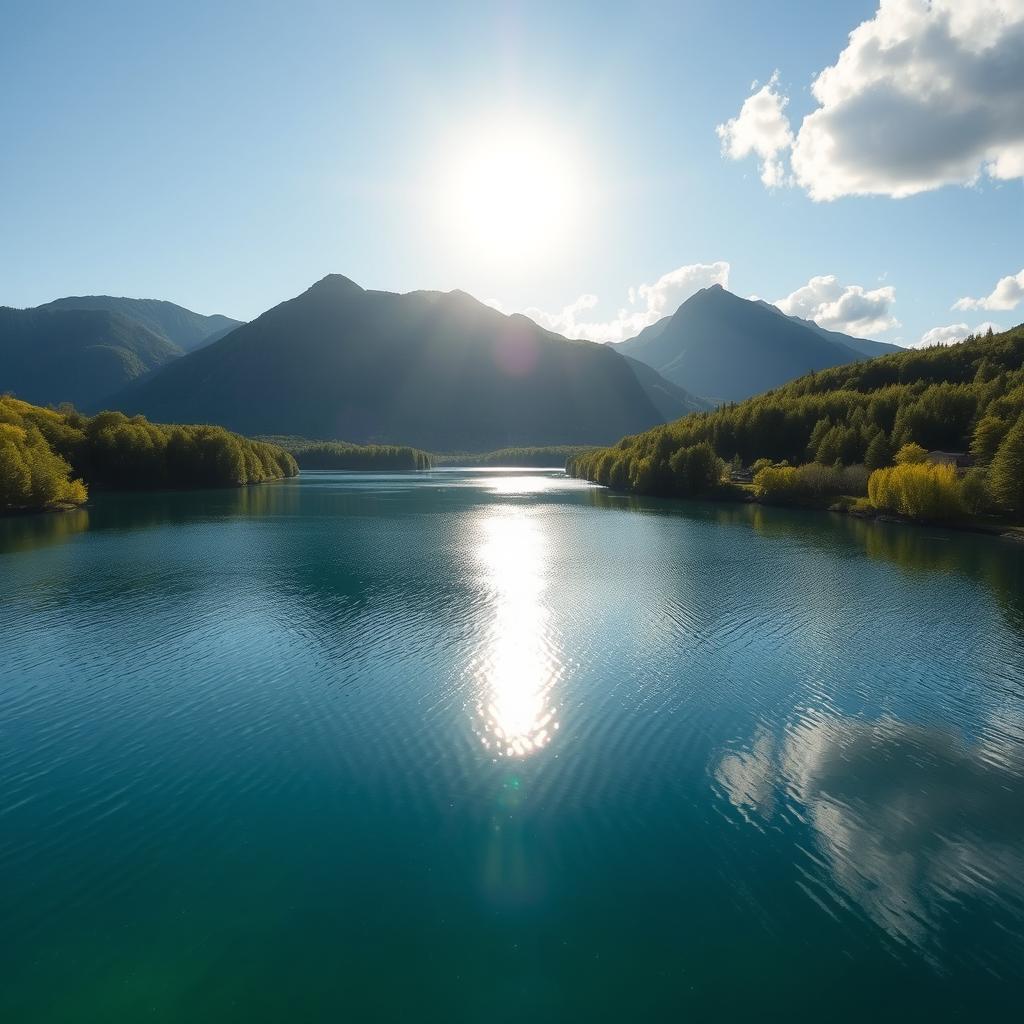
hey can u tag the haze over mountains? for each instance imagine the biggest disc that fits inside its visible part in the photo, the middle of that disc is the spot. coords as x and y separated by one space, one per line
82 349
180 326
726 348
438 370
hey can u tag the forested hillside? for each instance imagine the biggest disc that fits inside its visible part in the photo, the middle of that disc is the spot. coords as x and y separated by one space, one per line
967 398
49 458
82 349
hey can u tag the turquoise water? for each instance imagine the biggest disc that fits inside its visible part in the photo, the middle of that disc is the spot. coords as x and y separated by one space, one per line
500 746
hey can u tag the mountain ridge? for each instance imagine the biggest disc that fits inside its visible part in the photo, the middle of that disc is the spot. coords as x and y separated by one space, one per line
49 356
728 348
181 326
81 349
438 370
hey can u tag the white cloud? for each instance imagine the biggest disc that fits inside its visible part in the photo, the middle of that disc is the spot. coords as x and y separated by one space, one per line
836 307
926 93
648 303
952 334
762 128
672 289
1007 293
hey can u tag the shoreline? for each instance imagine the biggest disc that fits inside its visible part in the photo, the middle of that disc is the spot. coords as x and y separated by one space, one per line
1004 531
1011 532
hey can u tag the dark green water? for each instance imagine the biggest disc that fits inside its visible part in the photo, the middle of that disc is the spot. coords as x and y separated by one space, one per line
479 746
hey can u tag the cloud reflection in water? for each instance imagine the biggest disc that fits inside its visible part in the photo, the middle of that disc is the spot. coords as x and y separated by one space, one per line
912 821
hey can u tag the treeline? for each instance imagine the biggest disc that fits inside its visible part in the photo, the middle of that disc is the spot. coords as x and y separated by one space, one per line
342 455
49 457
545 457
966 398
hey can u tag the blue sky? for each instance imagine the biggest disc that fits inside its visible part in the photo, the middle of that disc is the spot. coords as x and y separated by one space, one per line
226 155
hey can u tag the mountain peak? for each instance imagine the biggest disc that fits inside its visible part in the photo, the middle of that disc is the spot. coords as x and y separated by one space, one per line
434 369
334 284
721 345
717 291
713 296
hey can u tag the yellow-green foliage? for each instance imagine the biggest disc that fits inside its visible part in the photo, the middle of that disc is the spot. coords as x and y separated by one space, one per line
46 454
917 490
777 482
910 455
117 451
32 475
685 472
809 483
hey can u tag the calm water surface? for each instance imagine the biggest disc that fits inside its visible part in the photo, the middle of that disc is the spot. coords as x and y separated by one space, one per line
500 746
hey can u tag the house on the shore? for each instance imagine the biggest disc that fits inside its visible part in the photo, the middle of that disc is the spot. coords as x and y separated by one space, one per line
959 460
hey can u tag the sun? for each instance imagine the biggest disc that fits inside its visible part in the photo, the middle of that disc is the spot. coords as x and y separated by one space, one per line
511 194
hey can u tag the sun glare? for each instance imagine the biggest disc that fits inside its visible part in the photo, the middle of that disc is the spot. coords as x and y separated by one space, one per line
512 194
520 664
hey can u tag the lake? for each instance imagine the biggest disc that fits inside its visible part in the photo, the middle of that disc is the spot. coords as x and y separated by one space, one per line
498 746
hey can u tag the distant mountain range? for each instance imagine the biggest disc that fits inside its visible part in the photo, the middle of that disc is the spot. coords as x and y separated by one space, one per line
82 349
180 326
438 370
727 348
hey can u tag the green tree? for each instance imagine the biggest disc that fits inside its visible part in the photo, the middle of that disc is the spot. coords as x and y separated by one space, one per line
879 453
987 436
1006 479
974 491
937 398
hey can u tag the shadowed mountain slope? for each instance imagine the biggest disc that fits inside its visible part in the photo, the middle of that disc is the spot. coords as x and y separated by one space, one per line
49 356
180 326
727 348
438 370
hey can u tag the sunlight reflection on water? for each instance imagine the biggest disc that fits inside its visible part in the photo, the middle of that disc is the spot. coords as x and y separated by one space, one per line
517 484
518 665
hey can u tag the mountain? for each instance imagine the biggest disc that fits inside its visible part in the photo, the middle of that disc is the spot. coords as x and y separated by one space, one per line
668 398
49 356
83 348
180 326
727 348
438 370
